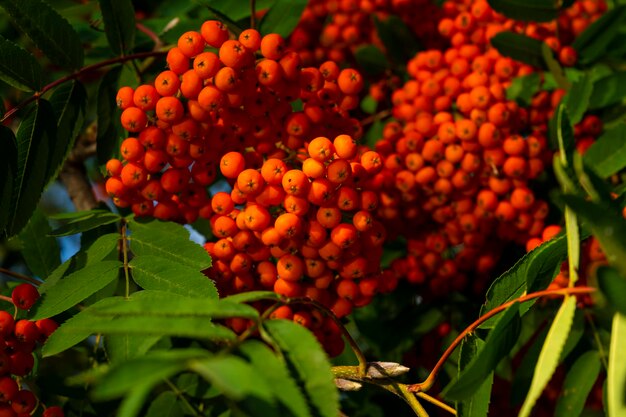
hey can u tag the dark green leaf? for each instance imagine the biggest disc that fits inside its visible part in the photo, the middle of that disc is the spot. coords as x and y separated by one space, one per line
134 400
613 287
533 272
519 47
48 30
592 44
371 59
41 253
522 89
252 296
498 344
526 10
236 10
478 404
120 348
8 174
108 137
562 135
74 288
156 273
276 375
310 364
399 40
615 392
550 353
69 102
166 404
36 137
578 383
282 17
97 219
119 24
577 100
608 91
18 68
556 72
369 105
607 155
374 133
168 241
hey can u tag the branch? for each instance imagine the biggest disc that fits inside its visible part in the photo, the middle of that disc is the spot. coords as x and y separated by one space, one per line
19 276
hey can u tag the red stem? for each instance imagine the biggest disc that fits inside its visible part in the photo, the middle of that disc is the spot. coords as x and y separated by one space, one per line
77 74
148 32
428 382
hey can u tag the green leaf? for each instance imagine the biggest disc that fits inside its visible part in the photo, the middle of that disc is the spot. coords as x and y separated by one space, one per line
399 40
108 136
233 376
606 224
167 240
526 10
607 155
478 404
498 344
69 102
550 353
8 174
41 253
613 287
120 348
554 67
119 24
369 105
309 362
562 135
522 89
36 137
578 383
276 375
616 374
133 402
593 43
74 288
578 98
97 219
533 272
166 404
252 296
519 47
282 17
18 67
371 59
234 9
48 30
608 91
374 133
156 273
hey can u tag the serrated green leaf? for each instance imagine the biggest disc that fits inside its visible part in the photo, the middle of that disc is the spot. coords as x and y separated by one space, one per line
41 253
533 272
120 348
233 376
478 404
498 344
608 91
399 40
282 17
607 155
276 375
578 383
607 225
309 363
577 99
526 10
550 353
592 44
19 68
74 288
156 273
616 374
166 404
119 24
36 137
371 60
522 89
167 240
165 304
8 173
519 47
613 287
252 296
99 218
108 136
48 30
69 103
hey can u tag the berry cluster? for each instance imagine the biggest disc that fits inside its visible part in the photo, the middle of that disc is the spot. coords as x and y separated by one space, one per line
19 339
460 156
221 95
304 227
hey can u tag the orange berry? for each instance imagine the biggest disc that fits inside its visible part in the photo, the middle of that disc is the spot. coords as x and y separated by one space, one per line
214 33
133 119
273 46
191 44
232 164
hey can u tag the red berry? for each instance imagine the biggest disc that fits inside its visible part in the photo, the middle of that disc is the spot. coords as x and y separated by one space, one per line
24 296
8 388
54 411
24 402
46 327
22 363
26 331
7 323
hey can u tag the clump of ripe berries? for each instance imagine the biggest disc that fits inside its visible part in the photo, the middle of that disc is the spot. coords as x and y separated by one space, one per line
18 340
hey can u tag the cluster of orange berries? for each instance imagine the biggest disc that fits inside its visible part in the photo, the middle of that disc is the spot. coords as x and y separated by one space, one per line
18 340
302 227
333 29
460 156
221 95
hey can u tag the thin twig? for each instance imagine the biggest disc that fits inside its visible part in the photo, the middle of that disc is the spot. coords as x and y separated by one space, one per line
5 298
158 43
375 117
181 396
253 14
19 276
436 402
